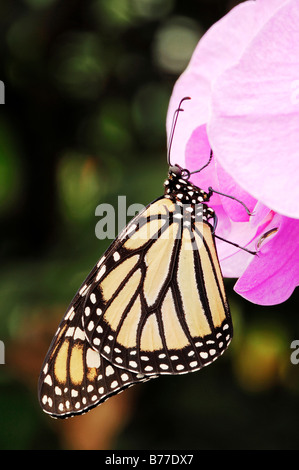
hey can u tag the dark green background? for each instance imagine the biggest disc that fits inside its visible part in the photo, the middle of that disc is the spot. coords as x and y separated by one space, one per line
87 85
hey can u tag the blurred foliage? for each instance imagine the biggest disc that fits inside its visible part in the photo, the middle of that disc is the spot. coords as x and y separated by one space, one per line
87 85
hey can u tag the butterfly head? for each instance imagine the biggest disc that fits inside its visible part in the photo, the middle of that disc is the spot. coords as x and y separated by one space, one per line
179 188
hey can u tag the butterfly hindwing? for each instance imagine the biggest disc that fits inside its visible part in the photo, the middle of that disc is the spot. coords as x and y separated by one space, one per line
74 377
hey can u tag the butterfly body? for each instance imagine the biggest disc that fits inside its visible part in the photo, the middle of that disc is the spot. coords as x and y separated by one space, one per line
154 304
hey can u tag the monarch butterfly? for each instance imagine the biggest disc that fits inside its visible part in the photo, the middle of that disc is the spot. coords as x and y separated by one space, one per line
154 304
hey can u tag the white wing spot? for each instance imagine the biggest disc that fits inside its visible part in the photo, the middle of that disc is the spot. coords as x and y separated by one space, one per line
101 272
48 380
109 371
204 355
193 364
101 261
83 290
133 364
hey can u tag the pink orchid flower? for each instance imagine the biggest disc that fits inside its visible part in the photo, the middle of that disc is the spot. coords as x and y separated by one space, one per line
243 80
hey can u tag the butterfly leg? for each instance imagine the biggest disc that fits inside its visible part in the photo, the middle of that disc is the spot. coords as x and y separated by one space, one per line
227 241
215 221
212 191
238 246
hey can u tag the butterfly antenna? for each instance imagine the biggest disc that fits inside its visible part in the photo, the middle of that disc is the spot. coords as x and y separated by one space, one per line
209 161
174 121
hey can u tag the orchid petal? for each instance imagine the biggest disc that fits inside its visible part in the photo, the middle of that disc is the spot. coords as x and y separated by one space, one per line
211 58
254 124
272 276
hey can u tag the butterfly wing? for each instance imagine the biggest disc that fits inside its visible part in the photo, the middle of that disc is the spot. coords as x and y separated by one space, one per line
154 304
158 305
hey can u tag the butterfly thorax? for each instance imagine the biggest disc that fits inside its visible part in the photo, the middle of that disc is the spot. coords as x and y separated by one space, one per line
182 192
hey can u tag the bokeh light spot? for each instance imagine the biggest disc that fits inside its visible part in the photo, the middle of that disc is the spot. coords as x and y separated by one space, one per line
174 43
